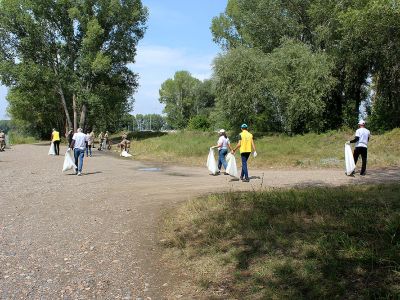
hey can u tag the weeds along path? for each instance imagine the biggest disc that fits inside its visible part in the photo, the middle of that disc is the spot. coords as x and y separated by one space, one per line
95 236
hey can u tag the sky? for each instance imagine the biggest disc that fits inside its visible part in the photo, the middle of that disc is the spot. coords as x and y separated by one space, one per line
178 37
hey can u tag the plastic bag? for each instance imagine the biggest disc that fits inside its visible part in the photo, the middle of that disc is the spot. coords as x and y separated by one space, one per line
349 160
51 150
254 154
231 168
125 154
211 163
68 161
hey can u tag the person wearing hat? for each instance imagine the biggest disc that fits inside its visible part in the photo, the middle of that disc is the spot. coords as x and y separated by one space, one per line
361 139
223 144
246 143
55 138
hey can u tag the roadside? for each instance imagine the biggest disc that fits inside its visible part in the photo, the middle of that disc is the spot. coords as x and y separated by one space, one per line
96 235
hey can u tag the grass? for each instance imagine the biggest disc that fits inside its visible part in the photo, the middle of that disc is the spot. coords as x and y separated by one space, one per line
313 243
17 138
277 151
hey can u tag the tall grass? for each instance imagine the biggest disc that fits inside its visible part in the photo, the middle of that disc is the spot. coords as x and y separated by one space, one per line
277 151
18 138
314 243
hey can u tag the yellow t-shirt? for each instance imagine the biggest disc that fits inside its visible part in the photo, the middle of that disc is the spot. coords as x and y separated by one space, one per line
245 141
56 136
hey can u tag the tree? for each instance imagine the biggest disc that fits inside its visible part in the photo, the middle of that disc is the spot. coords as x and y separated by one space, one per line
80 51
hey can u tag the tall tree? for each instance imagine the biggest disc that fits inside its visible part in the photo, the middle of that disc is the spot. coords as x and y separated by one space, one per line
80 49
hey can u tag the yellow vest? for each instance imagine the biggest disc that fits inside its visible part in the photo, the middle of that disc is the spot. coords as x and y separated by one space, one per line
245 141
56 136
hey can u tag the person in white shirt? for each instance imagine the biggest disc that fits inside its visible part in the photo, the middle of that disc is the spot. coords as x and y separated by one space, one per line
223 145
361 139
79 145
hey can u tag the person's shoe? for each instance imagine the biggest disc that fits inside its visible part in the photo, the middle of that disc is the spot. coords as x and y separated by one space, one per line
79 174
246 180
363 174
226 173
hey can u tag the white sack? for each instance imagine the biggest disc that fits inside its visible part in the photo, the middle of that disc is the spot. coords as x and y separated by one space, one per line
231 168
349 160
125 154
68 161
211 163
51 150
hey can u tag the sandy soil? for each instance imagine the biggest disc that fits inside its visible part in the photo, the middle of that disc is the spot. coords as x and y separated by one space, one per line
95 236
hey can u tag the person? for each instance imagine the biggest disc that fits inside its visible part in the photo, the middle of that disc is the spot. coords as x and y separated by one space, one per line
246 143
55 139
125 144
78 144
90 143
2 140
106 142
101 139
223 144
361 139
68 136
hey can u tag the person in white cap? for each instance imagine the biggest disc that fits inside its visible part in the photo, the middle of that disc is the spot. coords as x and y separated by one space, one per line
79 145
223 145
361 139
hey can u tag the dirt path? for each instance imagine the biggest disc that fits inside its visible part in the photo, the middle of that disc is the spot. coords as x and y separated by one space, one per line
95 236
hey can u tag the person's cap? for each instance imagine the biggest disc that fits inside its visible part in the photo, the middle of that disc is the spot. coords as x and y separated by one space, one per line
243 126
361 122
221 131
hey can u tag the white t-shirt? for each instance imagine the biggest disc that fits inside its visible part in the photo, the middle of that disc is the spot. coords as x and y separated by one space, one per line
224 142
363 134
80 139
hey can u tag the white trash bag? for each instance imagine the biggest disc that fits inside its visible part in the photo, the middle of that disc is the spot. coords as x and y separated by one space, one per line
231 168
349 160
125 154
51 150
211 163
68 161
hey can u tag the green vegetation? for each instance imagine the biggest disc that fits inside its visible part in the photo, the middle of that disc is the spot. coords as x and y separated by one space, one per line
312 243
309 150
18 138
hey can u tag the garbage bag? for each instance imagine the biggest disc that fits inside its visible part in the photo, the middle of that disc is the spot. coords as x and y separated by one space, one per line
211 163
51 150
125 154
349 160
231 168
68 161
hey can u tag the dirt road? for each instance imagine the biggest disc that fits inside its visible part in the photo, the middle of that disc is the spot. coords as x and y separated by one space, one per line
95 236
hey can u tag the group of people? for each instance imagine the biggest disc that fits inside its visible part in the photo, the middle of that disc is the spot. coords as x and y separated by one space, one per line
246 145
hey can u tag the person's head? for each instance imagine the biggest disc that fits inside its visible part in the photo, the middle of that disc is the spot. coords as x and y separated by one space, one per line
244 126
54 129
222 132
361 123
79 130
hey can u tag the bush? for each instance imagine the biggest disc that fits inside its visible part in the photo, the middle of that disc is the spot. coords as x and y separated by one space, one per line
199 122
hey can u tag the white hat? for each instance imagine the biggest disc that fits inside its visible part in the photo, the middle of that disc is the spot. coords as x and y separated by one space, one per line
221 131
361 122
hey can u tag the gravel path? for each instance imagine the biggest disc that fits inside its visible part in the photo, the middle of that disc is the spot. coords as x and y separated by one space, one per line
95 236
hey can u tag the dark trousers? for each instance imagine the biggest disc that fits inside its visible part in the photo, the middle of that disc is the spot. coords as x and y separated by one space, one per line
57 147
363 152
245 172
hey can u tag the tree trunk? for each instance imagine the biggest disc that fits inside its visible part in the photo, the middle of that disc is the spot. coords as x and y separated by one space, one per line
64 104
82 120
75 112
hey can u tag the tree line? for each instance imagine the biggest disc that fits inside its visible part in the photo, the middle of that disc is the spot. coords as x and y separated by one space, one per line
296 66
66 61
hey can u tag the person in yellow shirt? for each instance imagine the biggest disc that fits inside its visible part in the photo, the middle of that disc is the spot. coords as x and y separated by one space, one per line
55 138
246 143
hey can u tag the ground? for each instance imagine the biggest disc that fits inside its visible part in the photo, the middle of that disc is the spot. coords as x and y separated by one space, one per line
96 236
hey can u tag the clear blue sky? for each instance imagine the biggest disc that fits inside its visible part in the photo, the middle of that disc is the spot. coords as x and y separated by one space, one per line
178 38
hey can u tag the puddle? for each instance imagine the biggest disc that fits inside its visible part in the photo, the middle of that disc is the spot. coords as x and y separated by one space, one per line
150 169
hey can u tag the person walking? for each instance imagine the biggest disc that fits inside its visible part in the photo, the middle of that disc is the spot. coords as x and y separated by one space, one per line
2 140
101 139
223 144
246 143
68 136
90 142
79 145
361 139
106 145
55 139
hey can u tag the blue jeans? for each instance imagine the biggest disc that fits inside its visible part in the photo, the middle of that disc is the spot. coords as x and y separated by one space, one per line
221 158
245 172
79 154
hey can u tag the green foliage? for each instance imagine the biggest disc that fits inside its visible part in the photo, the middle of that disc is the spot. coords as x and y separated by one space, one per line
311 243
199 122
